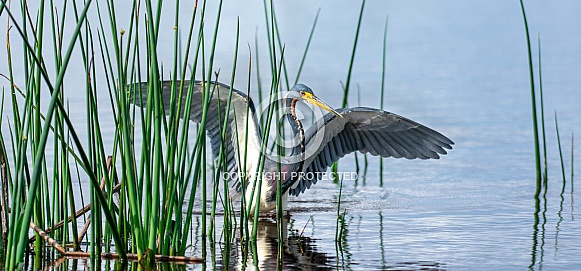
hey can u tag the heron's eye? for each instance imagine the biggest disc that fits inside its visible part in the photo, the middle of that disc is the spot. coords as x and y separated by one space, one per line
302 93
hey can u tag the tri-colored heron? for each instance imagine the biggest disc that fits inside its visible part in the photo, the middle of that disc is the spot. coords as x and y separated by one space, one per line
331 137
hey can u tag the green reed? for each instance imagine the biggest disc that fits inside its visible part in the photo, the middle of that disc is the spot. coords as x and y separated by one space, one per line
229 213
352 60
343 105
334 167
542 104
572 163
383 71
275 95
196 165
304 57
533 101
560 152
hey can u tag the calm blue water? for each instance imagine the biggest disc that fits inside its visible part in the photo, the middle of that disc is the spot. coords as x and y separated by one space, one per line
459 67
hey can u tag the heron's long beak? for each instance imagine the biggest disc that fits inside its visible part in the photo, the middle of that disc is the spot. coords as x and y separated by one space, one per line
316 101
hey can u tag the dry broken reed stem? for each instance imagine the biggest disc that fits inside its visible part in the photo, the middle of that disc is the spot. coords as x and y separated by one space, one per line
112 256
4 202
47 238
134 257
86 227
86 208
4 197
108 256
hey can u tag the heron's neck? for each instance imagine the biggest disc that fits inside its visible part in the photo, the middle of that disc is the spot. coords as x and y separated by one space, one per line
298 150
297 128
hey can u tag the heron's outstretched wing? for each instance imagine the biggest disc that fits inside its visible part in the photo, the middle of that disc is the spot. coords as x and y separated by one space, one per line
236 117
366 130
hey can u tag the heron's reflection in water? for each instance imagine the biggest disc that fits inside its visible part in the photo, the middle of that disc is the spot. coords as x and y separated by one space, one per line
303 253
298 252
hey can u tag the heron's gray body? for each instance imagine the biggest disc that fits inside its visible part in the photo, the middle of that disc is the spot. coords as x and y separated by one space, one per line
356 129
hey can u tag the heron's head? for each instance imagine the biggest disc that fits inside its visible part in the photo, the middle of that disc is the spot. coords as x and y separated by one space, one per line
304 93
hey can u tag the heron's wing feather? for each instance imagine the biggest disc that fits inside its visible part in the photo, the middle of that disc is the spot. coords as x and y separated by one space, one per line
240 124
366 130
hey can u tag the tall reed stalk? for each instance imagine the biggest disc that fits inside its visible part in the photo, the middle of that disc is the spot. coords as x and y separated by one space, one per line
533 101
343 105
560 154
572 161
544 138
383 71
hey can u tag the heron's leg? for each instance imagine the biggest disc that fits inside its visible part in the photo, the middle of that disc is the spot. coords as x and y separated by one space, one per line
286 215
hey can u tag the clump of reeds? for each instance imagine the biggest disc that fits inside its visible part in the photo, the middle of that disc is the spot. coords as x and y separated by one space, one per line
540 195
155 178
138 190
